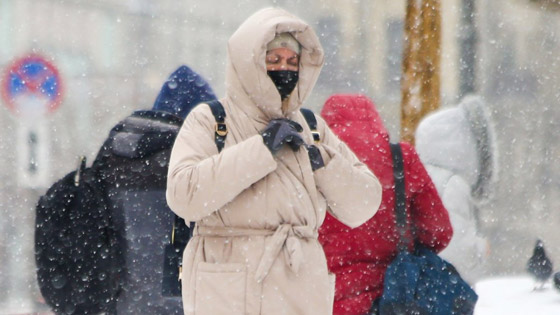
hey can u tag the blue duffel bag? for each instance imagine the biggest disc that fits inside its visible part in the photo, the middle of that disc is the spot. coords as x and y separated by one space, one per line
421 282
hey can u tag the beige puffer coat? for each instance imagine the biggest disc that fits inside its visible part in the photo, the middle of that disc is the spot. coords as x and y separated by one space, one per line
255 248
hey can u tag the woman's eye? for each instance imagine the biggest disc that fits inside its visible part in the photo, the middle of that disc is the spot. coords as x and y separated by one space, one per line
271 60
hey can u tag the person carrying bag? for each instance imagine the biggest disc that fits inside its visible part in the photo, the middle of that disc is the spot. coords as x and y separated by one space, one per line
420 282
359 257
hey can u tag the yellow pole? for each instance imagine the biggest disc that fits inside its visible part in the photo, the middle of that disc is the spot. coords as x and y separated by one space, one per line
421 83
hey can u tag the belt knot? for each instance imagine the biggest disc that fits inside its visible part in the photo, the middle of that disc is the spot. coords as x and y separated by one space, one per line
288 238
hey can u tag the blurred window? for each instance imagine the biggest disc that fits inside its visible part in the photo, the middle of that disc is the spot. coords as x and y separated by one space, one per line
329 33
393 62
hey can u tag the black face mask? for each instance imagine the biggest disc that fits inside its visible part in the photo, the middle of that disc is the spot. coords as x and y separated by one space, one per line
285 81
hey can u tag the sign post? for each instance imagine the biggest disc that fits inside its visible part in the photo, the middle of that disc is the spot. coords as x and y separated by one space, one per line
31 88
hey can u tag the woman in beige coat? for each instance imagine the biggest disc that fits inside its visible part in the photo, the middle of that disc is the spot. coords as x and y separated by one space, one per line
258 203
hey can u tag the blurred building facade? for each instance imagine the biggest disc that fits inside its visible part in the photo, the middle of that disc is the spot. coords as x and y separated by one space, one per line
114 55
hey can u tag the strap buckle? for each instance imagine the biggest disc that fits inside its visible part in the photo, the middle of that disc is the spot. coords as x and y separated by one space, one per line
316 136
221 129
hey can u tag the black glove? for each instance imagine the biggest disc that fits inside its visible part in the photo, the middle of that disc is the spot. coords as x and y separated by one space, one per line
315 157
280 132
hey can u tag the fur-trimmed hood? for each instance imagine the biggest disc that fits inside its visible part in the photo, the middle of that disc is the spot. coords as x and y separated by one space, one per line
462 140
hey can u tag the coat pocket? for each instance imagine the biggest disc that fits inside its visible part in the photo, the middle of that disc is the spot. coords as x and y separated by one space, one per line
220 289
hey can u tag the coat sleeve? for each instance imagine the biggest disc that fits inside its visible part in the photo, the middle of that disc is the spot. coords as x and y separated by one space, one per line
200 180
352 192
431 220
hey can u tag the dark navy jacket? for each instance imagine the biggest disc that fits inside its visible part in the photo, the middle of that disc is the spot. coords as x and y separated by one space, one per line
133 168
134 161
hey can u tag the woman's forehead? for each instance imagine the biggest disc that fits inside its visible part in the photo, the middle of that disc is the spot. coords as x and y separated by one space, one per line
282 51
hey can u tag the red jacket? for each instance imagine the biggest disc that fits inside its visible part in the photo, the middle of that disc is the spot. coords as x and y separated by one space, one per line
360 256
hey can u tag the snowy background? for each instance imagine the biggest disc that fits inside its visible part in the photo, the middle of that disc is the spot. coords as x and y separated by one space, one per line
113 56
515 296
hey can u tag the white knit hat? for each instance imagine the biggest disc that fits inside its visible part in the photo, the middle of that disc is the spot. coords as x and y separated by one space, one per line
285 40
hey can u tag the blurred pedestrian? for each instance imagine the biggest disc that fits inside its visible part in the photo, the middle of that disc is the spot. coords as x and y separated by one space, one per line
134 161
457 146
360 256
259 202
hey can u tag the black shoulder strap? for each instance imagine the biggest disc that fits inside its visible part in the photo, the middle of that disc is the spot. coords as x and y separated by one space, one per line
221 128
311 122
400 195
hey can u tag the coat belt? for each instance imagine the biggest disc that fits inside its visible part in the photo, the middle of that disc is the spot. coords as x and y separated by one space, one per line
286 237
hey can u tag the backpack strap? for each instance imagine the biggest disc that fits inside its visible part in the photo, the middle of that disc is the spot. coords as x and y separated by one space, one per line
221 131
312 123
400 195
80 170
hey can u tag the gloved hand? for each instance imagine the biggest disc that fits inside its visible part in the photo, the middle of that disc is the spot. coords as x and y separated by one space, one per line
315 157
282 131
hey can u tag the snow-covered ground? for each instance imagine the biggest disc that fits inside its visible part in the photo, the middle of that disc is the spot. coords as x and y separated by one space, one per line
515 296
497 296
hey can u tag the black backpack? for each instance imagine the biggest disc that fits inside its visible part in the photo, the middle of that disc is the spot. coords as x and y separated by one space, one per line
99 239
75 245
